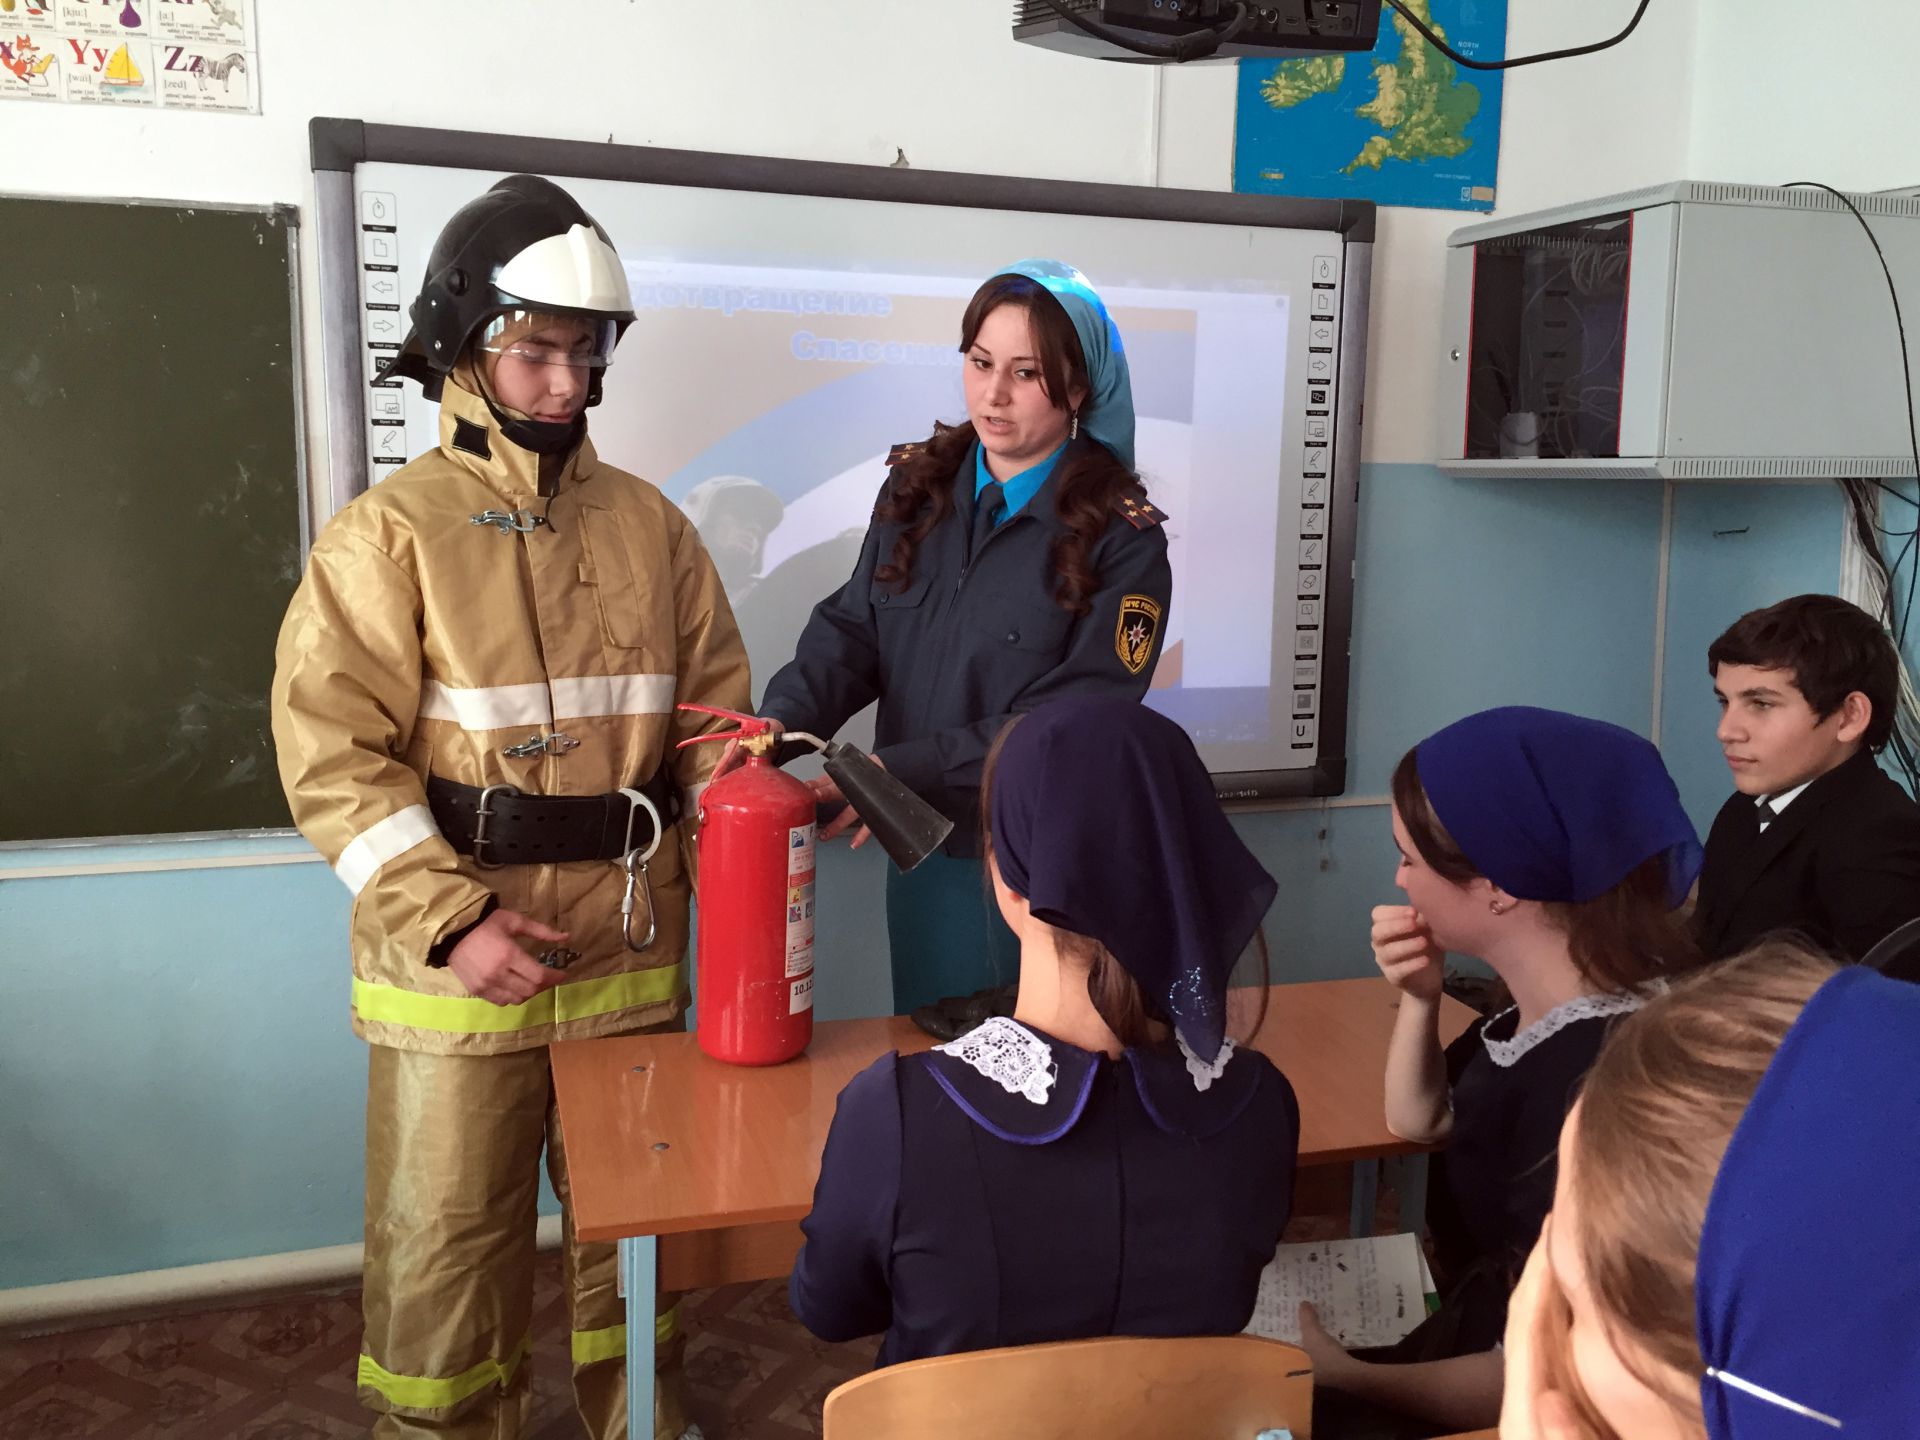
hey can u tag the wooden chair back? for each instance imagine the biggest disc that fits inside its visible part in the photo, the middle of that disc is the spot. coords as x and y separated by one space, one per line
1228 1387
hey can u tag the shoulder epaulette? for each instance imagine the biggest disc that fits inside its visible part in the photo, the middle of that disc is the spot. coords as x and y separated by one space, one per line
1139 513
905 451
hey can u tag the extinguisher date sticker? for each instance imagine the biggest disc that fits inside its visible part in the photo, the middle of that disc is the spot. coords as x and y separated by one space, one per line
800 996
800 840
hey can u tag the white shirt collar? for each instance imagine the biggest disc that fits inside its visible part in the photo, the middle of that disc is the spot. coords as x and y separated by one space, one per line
1783 799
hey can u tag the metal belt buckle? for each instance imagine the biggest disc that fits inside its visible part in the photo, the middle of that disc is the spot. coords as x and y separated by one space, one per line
481 815
634 862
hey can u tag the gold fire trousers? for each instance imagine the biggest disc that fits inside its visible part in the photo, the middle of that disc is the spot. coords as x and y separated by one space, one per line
453 1182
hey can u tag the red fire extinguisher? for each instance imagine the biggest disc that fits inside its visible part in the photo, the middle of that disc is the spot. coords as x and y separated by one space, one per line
755 951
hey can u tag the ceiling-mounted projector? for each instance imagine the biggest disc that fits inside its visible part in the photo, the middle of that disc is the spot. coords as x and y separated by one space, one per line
1266 30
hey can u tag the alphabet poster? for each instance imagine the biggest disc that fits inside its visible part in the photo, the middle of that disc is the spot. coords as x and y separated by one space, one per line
165 54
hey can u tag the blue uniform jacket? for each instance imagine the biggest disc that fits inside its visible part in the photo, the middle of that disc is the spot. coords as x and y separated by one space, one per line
955 1216
974 639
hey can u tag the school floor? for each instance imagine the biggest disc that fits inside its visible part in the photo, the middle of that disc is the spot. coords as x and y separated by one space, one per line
283 1369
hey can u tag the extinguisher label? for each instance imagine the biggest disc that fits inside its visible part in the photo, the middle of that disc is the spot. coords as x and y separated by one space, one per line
800 850
800 880
800 935
800 995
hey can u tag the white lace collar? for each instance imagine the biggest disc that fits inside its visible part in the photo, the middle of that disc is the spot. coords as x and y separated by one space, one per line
1021 1063
1505 1053
1007 1053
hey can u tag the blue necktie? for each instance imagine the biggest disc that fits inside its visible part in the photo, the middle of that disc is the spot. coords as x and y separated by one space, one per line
988 506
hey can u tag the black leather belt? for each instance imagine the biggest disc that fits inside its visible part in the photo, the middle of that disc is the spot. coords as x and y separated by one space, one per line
500 825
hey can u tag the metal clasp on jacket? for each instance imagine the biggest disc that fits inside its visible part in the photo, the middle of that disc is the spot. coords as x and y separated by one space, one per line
634 861
508 521
558 743
482 813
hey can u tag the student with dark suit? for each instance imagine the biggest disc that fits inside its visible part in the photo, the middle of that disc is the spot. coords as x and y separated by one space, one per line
1816 838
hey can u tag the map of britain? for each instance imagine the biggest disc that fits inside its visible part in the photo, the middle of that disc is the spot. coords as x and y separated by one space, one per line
1401 125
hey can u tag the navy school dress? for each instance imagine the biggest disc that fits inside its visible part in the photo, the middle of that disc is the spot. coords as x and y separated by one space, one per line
974 637
954 1215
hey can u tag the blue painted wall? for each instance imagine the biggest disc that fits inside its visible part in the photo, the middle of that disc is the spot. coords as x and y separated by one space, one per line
1735 548
181 1082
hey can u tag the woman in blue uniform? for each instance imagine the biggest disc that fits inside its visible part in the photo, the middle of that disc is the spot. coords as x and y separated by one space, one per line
1011 559
1105 1161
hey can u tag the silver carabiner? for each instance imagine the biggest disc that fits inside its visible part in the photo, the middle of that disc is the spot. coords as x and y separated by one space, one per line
634 862
558 743
506 522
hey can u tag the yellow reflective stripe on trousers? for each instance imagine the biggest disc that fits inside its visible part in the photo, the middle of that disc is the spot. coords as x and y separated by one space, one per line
418 1392
469 1015
590 1347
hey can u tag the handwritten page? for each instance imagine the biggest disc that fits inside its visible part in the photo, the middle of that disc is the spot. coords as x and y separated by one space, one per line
1368 1292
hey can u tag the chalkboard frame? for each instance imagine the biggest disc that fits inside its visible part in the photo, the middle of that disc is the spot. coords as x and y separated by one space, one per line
287 218
338 146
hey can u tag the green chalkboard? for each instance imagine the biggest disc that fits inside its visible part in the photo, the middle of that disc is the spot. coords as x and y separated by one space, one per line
150 514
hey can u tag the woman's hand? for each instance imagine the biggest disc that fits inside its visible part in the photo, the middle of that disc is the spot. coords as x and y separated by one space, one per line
1331 1362
1529 1410
825 792
1405 951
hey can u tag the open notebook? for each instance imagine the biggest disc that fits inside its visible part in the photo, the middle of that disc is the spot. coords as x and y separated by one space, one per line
1368 1292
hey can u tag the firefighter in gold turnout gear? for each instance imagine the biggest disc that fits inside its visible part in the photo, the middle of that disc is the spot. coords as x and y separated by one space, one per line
474 713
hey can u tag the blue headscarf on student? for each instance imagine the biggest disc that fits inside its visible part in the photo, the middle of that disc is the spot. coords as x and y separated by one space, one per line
1105 821
1556 807
1807 1295
1107 413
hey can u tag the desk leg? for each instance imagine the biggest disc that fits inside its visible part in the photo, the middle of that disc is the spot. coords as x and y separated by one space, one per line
1366 1200
639 1258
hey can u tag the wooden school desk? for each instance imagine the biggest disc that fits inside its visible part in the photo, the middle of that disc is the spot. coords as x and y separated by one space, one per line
718 1161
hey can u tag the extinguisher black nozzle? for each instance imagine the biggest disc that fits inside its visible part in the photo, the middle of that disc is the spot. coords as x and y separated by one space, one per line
907 827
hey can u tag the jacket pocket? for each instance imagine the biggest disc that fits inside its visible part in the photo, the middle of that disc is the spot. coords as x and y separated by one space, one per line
608 568
887 601
1038 627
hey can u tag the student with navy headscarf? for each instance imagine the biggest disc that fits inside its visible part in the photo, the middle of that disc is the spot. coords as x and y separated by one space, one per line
1107 1160
1734 1249
1555 849
1012 559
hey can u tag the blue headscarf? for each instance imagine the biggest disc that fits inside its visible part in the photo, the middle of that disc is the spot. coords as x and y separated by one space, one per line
1107 413
1556 807
1807 1295
1104 819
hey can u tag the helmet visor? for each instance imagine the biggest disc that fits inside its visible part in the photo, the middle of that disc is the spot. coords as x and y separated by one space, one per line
547 337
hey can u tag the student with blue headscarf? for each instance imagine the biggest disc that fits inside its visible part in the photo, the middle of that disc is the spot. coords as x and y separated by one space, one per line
1012 559
1111 1159
1555 849
1734 1249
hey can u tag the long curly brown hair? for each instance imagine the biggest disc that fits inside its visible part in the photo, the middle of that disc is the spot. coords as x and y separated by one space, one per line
1091 479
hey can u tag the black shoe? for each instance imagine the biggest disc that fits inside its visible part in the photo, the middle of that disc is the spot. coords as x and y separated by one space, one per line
953 1017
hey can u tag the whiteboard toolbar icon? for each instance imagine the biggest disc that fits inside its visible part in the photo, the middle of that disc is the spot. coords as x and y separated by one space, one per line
377 208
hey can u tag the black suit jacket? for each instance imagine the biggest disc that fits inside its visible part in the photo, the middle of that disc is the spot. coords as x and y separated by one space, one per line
1841 865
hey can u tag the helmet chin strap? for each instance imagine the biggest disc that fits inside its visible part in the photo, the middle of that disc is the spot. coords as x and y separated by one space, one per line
542 437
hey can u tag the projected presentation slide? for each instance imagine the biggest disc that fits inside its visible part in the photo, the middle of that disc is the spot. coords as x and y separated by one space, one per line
762 385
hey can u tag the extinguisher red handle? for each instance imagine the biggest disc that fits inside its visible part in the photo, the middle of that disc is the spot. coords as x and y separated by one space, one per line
749 724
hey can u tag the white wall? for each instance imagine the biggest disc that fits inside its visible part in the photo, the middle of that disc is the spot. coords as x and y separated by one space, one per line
844 80
1778 97
1511 608
1571 130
